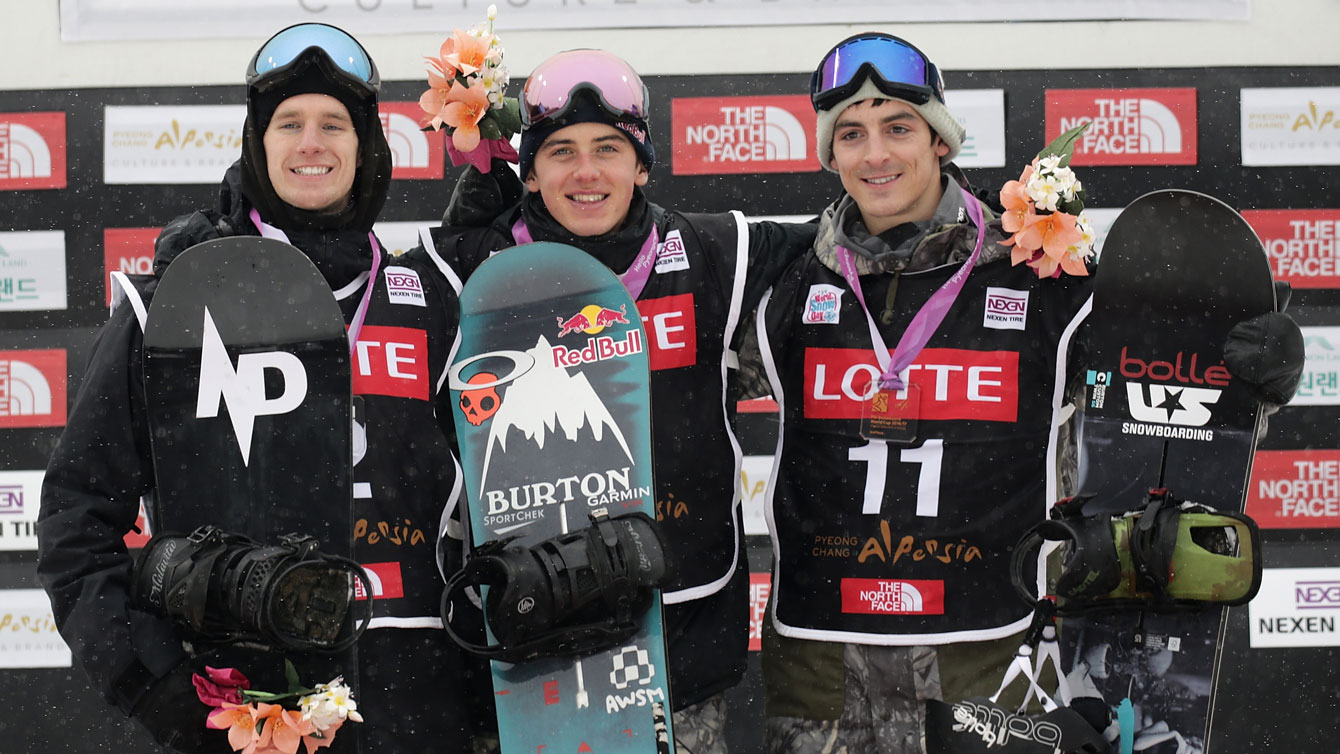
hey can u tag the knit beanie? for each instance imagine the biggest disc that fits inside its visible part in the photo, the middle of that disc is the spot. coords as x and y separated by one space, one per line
585 109
937 116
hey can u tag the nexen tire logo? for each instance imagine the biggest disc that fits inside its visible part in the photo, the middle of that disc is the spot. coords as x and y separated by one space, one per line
243 388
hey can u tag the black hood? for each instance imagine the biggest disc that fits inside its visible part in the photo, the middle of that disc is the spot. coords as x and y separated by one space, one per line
372 180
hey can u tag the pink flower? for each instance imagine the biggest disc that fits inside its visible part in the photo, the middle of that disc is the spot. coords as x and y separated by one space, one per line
222 685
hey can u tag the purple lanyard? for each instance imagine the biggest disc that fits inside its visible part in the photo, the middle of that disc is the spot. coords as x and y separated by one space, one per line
635 279
927 319
355 327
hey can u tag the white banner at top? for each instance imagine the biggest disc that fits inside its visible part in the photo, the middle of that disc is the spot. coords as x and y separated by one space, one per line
83 20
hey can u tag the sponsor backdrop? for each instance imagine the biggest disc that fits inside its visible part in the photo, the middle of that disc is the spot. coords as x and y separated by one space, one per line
87 176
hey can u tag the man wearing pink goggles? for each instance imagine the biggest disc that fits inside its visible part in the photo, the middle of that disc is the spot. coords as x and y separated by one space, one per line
586 153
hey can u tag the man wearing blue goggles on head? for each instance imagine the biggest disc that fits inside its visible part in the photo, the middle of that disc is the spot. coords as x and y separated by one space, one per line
315 170
919 441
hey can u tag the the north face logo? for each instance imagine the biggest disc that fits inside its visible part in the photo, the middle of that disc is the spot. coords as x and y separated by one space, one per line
1127 126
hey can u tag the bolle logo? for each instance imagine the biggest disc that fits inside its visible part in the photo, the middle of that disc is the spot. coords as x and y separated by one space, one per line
23 153
1180 369
1163 404
718 135
243 388
1127 126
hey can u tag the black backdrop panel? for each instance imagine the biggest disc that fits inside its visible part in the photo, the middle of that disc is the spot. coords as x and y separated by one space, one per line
1265 690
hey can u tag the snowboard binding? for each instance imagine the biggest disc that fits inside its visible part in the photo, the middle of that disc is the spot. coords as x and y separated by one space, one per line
571 595
1166 555
229 589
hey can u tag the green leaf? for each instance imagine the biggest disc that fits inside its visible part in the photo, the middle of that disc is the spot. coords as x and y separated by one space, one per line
291 674
488 128
511 116
1063 146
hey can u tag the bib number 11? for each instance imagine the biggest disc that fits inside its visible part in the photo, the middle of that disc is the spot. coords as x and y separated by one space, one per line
875 455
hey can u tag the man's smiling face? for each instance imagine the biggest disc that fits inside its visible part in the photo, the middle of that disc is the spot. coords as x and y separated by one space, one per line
586 173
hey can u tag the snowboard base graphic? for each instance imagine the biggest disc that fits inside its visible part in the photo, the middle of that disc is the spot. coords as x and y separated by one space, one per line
550 387
246 370
1178 270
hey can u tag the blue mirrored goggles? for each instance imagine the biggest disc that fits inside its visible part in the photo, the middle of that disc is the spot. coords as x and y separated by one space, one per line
343 52
897 68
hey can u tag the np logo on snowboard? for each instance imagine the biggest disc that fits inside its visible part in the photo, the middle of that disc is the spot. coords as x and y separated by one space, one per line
242 388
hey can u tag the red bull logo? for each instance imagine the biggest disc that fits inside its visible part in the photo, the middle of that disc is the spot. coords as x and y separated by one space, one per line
592 319
599 349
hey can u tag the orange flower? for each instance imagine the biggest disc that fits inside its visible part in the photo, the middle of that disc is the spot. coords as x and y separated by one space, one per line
468 53
464 109
320 740
289 729
237 718
1058 233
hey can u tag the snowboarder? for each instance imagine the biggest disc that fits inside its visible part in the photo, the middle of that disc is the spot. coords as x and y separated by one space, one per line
909 292
314 172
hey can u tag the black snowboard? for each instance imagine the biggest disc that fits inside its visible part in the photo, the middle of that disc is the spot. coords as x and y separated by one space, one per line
246 369
1178 270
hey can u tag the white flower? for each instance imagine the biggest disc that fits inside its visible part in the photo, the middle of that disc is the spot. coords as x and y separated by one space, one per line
1049 164
493 12
334 701
1044 192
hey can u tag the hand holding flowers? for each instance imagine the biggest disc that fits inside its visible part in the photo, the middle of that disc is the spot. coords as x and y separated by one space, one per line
466 82
259 722
1044 210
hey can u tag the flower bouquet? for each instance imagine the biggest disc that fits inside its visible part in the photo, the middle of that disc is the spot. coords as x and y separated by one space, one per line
1044 210
466 82
259 722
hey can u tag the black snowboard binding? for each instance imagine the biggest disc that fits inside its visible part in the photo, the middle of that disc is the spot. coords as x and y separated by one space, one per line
570 595
1167 555
229 589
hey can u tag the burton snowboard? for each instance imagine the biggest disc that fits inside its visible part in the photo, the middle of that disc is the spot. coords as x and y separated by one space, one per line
246 369
1178 270
550 388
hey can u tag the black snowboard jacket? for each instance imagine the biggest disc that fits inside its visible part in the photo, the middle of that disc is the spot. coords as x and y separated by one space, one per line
103 463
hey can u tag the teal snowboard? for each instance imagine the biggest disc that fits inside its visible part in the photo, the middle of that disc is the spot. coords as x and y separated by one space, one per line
551 396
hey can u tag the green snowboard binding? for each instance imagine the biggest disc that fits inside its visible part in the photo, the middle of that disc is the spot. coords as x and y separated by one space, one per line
1166 555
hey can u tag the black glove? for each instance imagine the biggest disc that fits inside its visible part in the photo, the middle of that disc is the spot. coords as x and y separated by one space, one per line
1266 352
479 198
175 716
187 231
